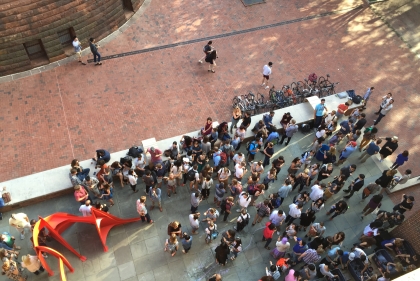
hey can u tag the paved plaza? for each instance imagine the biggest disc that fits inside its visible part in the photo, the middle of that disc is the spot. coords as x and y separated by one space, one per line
136 249
68 111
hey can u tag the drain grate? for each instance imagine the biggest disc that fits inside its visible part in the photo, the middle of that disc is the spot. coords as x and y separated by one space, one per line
252 2
157 48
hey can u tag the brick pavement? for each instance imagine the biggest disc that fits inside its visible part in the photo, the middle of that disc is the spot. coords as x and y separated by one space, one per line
70 111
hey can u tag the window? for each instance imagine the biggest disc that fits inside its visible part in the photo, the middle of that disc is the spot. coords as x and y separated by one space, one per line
66 36
35 50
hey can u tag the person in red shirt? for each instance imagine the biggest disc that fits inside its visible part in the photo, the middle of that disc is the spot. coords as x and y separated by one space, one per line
341 109
101 173
207 128
269 230
81 195
155 156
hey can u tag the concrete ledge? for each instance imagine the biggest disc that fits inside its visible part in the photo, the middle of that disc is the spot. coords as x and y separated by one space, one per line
55 182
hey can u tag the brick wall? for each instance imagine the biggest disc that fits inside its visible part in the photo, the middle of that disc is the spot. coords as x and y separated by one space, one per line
410 230
23 21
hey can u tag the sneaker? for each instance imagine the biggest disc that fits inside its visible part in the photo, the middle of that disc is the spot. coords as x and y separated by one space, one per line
263 84
22 236
200 61
278 233
234 227
266 87
374 120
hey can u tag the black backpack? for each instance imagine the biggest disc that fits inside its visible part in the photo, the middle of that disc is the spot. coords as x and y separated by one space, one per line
191 175
135 151
357 99
245 220
223 204
305 128
125 160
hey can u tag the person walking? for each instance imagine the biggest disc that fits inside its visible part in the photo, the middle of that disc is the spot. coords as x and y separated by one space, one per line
388 148
367 95
266 74
94 49
338 208
142 210
242 221
85 209
284 190
375 202
369 134
319 112
384 111
206 50
372 149
385 101
401 159
346 152
226 207
211 59
78 49
20 221
268 232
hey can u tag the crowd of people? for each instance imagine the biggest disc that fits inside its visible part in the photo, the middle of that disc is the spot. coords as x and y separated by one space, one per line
213 165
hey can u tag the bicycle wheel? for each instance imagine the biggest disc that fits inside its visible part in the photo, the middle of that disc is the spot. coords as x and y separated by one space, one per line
321 82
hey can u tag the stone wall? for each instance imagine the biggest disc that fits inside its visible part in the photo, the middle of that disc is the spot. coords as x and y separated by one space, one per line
23 21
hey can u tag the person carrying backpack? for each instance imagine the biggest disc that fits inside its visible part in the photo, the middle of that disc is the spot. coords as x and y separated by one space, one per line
262 211
252 148
194 177
206 49
242 221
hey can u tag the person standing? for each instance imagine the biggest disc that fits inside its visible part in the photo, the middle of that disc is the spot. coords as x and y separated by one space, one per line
277 217
226 207
385 179
206 49
186 242
20 221
268 153
366 97
242 220
94 49
85 209
142 210
32 264
78 49
319 113
372 149
355 186
284 190
385 101
384 111
155 156
406 204
132 178
266 74
401 159
155 196
194 222
290 129
388 148
295 210
236 115
360 122
268 232
195 201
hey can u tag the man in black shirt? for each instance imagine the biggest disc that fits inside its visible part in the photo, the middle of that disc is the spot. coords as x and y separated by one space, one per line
348 171
246 120
206 49
361 121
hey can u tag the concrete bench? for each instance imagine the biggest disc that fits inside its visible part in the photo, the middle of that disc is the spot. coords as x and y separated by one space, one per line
55 182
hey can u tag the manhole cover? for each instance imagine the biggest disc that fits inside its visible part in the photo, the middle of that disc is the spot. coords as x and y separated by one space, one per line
252 2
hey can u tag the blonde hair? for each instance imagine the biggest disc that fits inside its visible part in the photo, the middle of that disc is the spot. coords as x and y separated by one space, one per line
332 150
174 224
26 260
293 121
173 239
391 173
306 171
398 242
237 110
